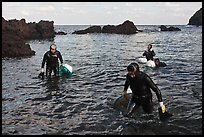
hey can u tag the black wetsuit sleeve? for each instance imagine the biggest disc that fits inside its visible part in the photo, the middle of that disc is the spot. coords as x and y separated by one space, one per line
60 57
163 64
127 83
44 60
144 54
153 53
154 87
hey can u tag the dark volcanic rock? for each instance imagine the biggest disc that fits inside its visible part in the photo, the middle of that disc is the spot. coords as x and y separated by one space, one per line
15 33
127 27
15 46
92 29
60 33
109 29
45 29
171 28
196 19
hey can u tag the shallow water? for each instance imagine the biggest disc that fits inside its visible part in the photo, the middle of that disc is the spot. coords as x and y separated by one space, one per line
82 104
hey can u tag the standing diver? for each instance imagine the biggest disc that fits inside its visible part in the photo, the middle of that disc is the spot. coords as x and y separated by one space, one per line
149 53
51 58
140 84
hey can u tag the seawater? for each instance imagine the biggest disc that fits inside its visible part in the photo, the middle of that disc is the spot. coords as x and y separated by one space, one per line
82 104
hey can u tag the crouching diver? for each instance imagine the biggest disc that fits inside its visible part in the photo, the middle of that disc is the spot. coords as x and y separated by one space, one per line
140 84
51 59
158 63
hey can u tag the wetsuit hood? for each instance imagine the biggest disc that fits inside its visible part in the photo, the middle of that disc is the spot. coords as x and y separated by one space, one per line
131 67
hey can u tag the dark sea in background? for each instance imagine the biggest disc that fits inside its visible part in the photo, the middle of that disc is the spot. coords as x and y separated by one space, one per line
82 104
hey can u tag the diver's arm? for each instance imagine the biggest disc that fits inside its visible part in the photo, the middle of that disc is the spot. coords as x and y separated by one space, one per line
157 91
44 60
153 53
144 54
154 87
60 57
127 83
163 64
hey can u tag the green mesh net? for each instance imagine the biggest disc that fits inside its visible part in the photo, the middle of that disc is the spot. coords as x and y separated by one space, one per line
63 71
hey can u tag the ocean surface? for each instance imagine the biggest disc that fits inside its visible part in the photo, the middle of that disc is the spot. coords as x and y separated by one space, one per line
83 103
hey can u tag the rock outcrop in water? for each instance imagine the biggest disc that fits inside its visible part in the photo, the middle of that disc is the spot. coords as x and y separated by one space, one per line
92 29
60 33
15 33
196 19
127 27
171 28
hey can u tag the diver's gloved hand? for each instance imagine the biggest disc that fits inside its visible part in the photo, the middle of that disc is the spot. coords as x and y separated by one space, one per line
41 75
151 49
42 70
162 107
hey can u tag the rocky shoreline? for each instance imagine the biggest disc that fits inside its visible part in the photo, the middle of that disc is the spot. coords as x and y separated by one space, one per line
15 34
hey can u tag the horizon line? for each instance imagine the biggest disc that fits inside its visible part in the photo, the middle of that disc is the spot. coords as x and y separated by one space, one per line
118 24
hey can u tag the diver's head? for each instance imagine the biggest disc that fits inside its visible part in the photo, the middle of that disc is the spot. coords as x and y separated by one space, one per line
149 46
53 48
132 68
157 61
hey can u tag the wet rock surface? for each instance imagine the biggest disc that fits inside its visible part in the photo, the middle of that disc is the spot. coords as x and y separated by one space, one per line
127 27
196 19
171 28
15 33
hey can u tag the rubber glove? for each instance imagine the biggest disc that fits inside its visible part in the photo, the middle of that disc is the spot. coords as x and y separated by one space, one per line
42 70
41 75
162 107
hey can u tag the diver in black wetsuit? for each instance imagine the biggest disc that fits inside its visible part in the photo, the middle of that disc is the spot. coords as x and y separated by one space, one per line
158 63
140 84
149 53
51 58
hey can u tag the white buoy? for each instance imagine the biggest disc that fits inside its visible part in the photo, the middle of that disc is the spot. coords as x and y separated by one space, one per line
68 67
142 60
150 63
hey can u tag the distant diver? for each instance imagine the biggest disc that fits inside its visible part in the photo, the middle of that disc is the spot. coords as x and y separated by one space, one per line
149 53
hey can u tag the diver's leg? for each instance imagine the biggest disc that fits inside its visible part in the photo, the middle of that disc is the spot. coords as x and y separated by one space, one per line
131 106
130 109
56 70
147 105
48 71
